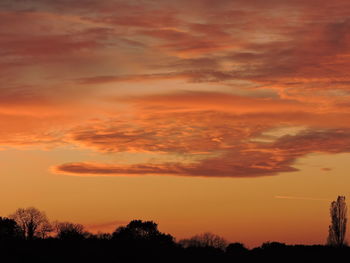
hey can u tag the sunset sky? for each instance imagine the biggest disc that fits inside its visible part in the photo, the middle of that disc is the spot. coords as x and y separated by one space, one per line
227 116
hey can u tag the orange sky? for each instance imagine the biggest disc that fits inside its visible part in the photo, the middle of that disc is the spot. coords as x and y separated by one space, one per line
222 116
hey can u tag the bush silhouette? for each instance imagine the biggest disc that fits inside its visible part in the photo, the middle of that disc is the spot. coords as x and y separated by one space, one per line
141 231
9 230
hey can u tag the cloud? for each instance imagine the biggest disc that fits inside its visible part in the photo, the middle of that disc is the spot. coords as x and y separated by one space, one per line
246 159
243 158
191 122
222 135
133 78
328 141
242 166
218 79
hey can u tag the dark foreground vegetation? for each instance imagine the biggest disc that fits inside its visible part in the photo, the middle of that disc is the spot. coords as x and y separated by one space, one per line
100 250
28 236
141 241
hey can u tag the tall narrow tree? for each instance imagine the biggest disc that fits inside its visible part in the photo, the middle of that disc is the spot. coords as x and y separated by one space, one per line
337 229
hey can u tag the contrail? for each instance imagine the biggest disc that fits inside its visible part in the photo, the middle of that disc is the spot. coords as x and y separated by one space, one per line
300 198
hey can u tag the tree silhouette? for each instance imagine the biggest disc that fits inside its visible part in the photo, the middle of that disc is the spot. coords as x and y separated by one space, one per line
337 229
70 231
138 230
44 229
31 221
205 240
273 245
9 229
236 248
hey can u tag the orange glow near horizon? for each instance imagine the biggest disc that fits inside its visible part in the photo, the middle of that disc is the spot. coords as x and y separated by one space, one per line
231 118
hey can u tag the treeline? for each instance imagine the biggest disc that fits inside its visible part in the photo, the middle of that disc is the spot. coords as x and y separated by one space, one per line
28 236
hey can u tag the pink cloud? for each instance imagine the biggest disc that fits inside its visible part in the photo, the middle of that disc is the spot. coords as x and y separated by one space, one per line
61 60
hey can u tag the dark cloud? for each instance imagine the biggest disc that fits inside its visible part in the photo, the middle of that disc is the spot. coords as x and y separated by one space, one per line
245 160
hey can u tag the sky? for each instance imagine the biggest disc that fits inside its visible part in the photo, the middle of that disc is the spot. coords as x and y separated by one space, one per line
228 116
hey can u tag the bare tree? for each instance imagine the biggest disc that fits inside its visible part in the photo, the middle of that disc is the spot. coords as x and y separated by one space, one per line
205 240
44 229
337 229
30 221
